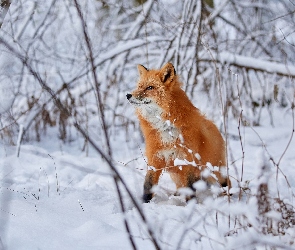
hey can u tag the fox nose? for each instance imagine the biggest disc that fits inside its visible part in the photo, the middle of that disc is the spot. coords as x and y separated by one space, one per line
128 96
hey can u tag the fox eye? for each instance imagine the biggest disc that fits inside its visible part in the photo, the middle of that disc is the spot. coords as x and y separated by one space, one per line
149 88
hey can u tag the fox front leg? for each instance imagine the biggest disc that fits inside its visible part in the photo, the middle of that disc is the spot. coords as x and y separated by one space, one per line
151 179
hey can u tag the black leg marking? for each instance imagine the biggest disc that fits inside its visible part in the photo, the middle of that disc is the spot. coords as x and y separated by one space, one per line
147 197
191 180
148 184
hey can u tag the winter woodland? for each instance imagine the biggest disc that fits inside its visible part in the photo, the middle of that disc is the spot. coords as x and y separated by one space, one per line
72 155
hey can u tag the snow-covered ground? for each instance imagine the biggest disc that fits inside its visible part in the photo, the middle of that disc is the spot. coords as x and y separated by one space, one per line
55 197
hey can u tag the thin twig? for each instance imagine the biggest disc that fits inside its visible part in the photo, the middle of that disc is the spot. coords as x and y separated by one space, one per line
94 75
101 110
105 157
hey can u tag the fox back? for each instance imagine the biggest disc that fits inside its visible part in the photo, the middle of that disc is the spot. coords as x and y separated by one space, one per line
178 137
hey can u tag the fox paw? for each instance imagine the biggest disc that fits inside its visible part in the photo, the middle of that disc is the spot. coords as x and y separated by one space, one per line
147 198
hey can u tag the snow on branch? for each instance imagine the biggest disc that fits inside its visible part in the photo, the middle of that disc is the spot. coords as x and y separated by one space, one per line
252 63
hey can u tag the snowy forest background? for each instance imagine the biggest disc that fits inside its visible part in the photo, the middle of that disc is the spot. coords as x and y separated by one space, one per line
72 156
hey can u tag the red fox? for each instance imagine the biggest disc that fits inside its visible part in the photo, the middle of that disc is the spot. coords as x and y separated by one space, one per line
178 137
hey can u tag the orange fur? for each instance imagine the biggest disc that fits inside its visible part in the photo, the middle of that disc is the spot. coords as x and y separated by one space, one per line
175 132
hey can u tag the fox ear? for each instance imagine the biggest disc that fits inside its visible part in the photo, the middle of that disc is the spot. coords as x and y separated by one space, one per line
167 73
141 69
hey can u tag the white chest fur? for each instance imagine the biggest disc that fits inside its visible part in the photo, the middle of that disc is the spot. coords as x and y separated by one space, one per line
153 114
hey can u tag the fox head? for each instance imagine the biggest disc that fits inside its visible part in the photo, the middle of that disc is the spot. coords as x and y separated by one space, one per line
154 87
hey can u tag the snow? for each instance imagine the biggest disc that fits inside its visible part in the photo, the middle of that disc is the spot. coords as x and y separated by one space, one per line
58 194
197 155
180 162
6 86
52 199
252 63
